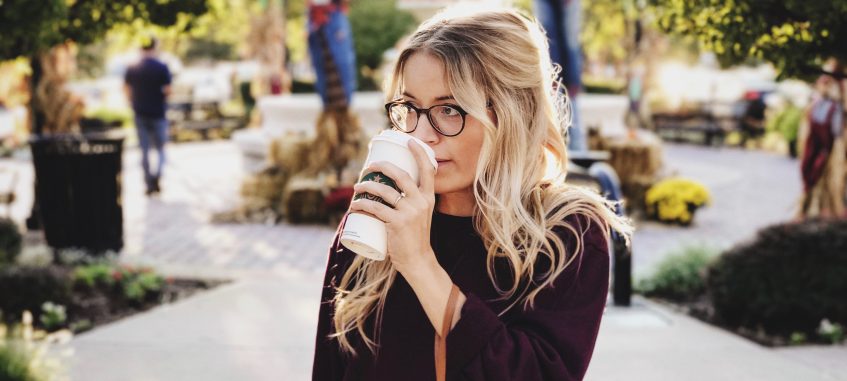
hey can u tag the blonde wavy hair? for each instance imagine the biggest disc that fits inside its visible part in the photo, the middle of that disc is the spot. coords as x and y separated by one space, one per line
497 56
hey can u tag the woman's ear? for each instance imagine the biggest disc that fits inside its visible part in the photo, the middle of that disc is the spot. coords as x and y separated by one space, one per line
493 115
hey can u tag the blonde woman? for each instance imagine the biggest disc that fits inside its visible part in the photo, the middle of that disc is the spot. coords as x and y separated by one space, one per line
523 260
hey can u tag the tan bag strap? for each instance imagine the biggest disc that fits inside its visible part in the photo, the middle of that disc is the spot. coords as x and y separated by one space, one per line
441 340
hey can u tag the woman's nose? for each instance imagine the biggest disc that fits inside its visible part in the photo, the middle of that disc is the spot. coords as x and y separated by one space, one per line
425 131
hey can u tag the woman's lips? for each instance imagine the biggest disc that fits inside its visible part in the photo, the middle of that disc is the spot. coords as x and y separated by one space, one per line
441 163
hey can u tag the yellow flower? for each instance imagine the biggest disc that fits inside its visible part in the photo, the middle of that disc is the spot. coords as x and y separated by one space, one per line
670 199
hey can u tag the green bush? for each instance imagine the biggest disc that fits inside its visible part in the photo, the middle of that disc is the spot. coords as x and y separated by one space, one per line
140 284
93 275
121 116
679 277
792 277
134 283
832 333
15 365
10 242
25 288
376 25
53 316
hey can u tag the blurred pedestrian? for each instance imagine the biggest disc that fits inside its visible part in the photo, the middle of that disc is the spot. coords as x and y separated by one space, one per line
561 21
635 93
339 132
147 84
822 164
753 119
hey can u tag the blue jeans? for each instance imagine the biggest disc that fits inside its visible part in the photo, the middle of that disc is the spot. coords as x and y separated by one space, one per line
151 131
340 38
561 21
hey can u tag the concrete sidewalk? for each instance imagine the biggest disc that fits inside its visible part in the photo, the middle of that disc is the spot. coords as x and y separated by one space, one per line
651 342
257 329
262 328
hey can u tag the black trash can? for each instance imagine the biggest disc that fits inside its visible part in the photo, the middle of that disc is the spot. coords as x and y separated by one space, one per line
78 190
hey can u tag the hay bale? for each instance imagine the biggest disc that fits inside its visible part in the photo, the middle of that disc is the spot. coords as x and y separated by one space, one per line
290 152
338 140
303 200
635 158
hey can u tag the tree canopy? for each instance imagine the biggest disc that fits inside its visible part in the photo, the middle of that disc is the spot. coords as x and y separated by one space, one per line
795 35
29 27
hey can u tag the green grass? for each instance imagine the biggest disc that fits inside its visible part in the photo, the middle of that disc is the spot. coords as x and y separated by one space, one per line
680 276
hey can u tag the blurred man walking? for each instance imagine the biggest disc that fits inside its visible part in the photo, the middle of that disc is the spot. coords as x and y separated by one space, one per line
147 86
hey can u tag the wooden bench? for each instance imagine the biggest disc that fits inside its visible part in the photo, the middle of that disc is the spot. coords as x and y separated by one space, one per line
202 117
699 127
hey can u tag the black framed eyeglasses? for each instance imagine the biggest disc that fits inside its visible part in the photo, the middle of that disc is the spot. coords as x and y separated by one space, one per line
448 120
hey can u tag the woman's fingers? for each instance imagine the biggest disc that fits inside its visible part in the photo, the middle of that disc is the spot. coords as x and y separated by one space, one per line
376 209
425 168
372 189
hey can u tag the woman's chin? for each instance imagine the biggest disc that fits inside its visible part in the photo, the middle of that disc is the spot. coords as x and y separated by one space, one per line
450 186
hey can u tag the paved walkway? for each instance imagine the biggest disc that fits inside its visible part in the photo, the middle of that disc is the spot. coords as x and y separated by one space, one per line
173 231
262 325
749 189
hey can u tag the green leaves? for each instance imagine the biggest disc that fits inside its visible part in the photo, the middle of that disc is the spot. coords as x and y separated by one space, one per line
29 27
134 283
795 35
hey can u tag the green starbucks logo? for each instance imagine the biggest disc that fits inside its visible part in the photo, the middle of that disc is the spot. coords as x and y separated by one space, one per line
380 178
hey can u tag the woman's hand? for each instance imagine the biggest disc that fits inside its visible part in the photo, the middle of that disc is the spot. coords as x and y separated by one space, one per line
408 223
407 226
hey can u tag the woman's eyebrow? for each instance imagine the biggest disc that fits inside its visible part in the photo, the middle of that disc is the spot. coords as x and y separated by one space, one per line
441 98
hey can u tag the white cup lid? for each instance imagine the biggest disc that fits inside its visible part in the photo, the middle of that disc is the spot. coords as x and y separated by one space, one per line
402 139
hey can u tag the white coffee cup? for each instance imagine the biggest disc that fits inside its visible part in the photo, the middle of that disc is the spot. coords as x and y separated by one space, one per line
363 234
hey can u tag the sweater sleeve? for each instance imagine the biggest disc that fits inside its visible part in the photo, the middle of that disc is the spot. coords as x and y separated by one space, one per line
552 341
328 363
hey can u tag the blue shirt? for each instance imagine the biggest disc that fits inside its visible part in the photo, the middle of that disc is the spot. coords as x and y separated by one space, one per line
147 80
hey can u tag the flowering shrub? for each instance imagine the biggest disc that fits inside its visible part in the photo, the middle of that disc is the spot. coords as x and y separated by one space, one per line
676 200
135 283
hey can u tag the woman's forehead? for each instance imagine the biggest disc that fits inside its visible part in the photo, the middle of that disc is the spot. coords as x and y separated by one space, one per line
424 78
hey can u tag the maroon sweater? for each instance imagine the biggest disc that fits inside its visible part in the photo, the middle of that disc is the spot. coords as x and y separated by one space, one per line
552 341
